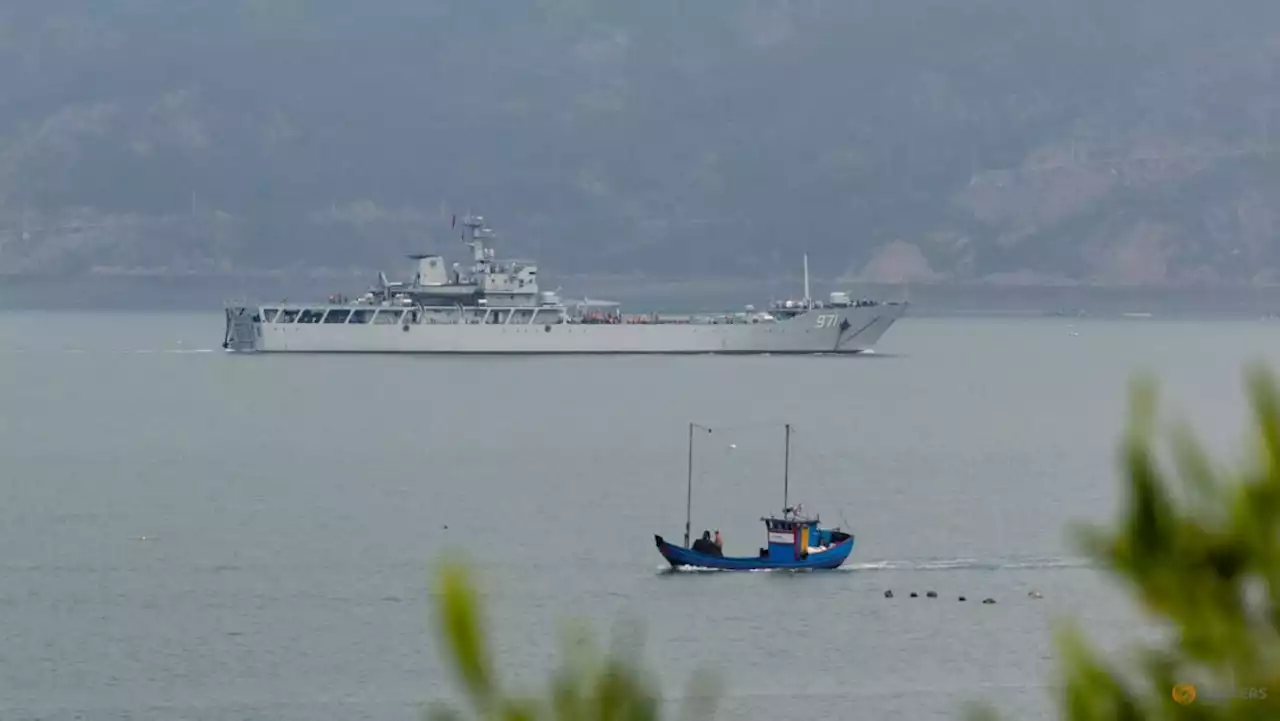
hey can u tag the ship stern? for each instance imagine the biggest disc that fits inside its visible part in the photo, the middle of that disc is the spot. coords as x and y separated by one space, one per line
243 329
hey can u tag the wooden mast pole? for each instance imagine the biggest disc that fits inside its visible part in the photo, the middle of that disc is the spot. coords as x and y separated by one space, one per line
688 494
688 498
786 471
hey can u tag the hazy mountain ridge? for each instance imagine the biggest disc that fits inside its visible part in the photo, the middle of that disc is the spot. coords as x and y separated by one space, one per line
1048 142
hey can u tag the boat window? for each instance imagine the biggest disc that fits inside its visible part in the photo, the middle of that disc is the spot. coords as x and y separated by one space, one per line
337 315
310 315
269 315
288 315
548 316
522 315
387 317
439 315
361 315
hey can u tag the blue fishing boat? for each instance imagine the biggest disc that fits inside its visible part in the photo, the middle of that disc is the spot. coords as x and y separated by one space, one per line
794 541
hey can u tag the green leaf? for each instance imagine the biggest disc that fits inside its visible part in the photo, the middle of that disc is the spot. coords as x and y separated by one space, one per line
459 623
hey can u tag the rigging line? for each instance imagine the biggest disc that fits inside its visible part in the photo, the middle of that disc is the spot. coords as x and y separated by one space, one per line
745 426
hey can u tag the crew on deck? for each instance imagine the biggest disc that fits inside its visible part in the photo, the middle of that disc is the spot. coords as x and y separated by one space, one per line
706 545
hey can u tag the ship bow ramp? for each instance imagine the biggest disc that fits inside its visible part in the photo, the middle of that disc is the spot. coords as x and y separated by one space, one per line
243 328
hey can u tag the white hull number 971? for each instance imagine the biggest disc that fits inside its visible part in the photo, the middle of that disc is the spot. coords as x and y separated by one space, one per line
827 320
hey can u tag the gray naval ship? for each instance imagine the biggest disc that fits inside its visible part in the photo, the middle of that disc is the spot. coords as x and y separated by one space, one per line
495 306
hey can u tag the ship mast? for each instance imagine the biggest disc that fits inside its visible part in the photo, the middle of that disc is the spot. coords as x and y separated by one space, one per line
786 472
473 226
807 302
688 499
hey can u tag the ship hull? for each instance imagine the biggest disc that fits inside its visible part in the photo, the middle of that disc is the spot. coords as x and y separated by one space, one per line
824 330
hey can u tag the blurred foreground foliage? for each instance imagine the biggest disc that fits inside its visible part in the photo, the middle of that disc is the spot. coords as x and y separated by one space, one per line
589 686
1198 546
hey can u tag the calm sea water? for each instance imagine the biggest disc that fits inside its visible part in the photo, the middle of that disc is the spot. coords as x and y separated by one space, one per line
188 534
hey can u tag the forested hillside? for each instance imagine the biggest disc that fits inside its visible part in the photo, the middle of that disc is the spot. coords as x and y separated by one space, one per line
1031 141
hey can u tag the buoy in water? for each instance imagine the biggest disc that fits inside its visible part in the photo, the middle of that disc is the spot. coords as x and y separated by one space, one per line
988 601
888 594
914 594
962 598
932 594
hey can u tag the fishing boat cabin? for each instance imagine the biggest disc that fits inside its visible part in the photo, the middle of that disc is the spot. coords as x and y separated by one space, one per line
793 537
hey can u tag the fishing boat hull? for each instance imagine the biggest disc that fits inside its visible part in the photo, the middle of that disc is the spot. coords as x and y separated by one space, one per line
679 556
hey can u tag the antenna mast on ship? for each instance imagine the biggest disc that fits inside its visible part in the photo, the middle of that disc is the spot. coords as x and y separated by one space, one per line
808 303
470 225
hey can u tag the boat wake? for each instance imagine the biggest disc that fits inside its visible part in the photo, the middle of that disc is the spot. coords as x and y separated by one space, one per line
973 564
933 564
110 351
667 569
179 351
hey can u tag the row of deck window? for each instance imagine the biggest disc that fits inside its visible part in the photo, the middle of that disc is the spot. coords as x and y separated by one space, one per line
384 316
393 316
